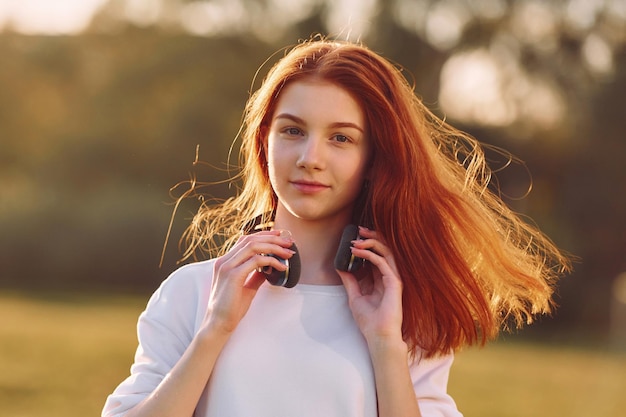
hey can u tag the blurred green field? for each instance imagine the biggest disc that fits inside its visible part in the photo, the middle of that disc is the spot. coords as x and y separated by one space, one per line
61 356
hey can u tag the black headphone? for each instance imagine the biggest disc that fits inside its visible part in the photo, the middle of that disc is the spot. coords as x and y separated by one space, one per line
344 259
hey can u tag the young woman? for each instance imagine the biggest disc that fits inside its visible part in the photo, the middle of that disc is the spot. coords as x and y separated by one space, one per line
336 136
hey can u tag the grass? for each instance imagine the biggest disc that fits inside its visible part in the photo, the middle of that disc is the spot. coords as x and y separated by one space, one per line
523 379
61 356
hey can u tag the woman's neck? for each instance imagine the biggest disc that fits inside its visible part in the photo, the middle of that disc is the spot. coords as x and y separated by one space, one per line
317 243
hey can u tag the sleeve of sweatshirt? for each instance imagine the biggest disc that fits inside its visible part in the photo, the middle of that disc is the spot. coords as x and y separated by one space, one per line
164 330
430 382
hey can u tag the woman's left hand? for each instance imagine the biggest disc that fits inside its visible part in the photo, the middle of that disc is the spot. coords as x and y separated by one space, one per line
375 300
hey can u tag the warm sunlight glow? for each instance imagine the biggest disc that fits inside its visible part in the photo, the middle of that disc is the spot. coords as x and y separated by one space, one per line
445 23
46 16
204 18
619 288
534 21
484 88
581 15
597 55
143 12
349 19
472 90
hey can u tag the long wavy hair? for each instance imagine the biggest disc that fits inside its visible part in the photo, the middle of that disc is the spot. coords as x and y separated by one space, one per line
469 265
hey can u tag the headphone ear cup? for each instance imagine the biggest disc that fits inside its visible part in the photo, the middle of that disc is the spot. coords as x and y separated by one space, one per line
344 259
293 273
289 277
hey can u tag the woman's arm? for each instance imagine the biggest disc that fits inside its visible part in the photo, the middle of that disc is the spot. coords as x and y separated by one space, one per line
376 304
394 387
233 286
179 392
400 386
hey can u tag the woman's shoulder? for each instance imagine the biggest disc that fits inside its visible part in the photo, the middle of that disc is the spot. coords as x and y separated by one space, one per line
192 276
183 291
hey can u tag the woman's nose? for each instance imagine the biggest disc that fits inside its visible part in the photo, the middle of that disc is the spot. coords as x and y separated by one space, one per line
311 153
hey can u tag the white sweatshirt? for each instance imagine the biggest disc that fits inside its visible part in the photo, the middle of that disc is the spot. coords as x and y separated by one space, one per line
297 352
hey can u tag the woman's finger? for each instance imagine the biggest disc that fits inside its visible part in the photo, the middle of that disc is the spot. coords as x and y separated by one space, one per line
368 252
350 283
373 243
256 247
254 281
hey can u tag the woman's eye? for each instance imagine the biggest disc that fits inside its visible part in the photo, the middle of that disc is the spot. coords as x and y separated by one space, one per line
342 138
292 131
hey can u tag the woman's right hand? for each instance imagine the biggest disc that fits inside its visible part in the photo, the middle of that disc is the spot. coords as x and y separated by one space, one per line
236 278
234 285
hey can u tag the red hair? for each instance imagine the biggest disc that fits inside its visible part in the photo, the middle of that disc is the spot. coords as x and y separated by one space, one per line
468 263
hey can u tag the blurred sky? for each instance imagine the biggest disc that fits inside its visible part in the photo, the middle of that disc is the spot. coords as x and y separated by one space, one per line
496 88
58 17
47 16
483 70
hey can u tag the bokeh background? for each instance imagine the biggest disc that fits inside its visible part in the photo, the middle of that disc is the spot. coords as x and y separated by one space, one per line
105 105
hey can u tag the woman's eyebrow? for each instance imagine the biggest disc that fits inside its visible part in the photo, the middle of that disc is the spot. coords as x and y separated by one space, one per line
301 121
347 124
291 117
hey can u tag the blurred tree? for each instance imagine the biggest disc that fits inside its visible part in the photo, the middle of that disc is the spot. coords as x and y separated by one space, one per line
94 129
105 125
546 51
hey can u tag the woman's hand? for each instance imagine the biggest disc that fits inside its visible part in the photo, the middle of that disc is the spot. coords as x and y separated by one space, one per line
234 285
236 280
375 300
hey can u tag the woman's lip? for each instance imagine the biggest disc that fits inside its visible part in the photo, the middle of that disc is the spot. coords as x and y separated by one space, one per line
309 187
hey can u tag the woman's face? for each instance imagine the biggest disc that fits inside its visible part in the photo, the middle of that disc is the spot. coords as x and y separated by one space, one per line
317 150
